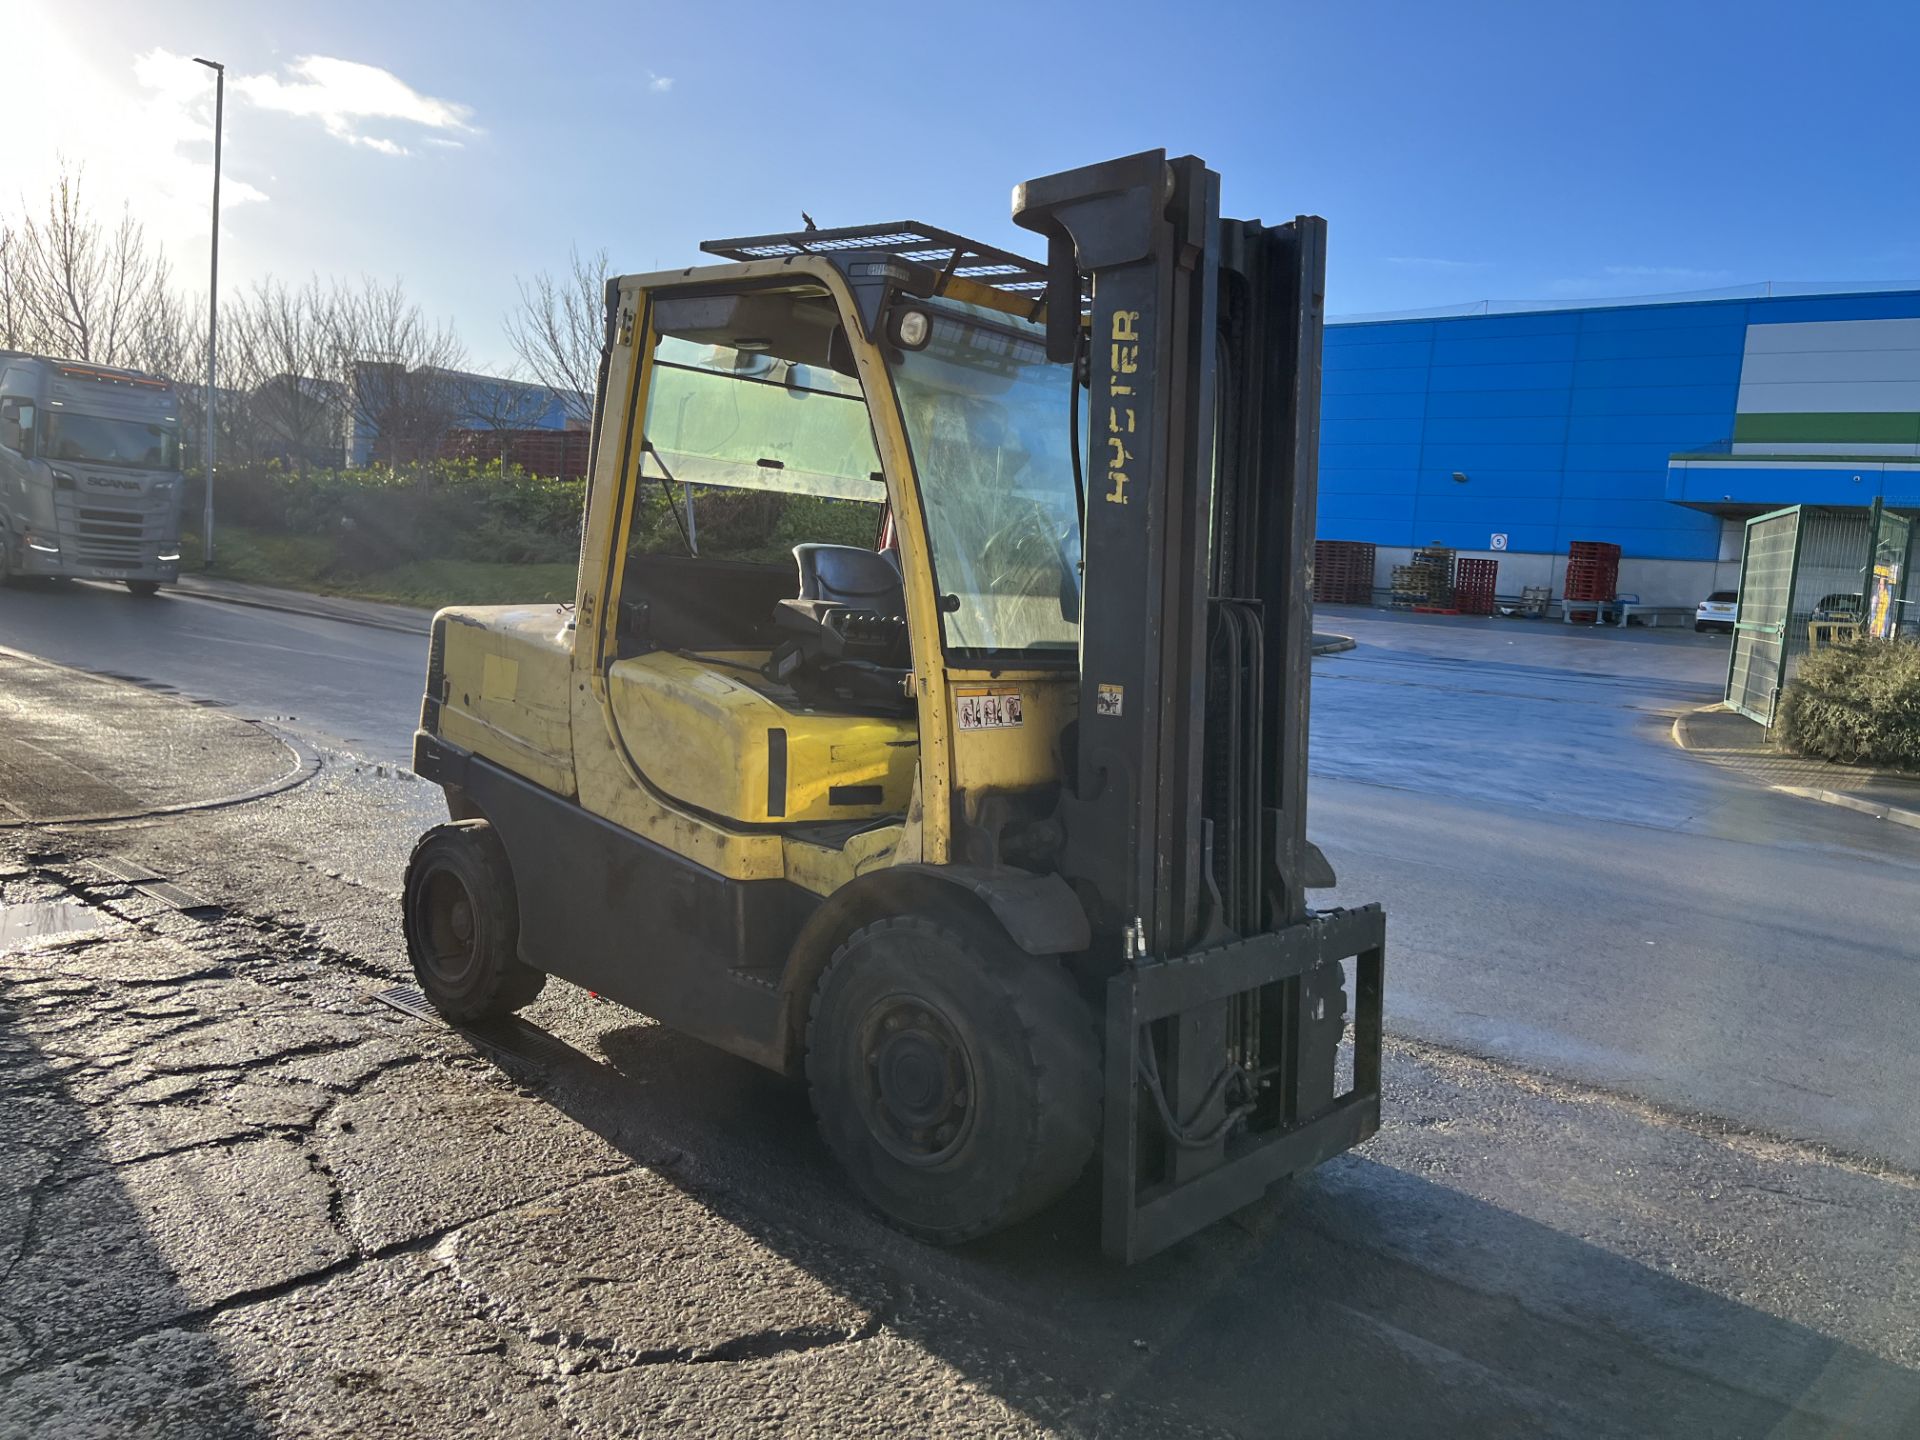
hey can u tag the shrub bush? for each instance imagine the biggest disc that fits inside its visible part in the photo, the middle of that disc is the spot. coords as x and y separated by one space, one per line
1858 703
383 517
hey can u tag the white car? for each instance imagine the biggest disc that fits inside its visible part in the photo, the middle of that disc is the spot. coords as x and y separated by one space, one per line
1718 611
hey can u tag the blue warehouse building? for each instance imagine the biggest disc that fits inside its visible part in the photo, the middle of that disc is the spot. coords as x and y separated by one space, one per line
1659 425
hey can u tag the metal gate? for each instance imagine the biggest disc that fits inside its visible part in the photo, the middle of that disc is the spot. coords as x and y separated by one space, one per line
1759 631
1804 566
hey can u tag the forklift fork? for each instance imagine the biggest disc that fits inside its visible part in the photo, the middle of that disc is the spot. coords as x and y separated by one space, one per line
1149 1201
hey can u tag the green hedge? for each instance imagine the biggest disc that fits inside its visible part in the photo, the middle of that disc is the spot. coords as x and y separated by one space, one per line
1858 703
384 517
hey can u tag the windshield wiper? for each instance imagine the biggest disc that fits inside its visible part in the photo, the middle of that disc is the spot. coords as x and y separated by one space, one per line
667 482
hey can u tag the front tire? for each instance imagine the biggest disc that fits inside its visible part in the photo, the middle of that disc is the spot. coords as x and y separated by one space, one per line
956 1079
144 589
461 915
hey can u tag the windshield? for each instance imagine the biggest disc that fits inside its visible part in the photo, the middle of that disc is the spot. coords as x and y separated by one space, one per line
741 420
98 440
754 447
987 418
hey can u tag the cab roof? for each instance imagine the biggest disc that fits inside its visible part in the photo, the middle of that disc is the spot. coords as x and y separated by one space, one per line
940 250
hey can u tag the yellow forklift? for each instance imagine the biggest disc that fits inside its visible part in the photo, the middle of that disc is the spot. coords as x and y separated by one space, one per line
988 816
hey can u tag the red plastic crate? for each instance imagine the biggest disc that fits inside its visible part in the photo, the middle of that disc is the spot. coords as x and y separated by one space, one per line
1593 570
1473 582
1343 572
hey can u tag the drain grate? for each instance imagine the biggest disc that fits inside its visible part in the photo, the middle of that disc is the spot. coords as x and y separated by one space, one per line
512 1037
408 1001
185 901
515 1038
118 868
153 884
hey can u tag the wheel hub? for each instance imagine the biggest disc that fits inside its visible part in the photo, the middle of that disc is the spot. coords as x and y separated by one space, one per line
449 927
919 1093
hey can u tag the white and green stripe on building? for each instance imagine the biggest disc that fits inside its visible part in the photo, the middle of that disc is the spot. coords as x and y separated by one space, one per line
1830 387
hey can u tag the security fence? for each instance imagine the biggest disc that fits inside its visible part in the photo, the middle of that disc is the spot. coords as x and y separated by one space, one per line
1813 575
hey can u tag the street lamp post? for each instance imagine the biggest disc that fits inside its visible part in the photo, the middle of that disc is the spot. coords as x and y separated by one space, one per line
213 303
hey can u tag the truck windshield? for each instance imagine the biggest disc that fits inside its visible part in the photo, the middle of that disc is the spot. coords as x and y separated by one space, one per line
987 418
99 440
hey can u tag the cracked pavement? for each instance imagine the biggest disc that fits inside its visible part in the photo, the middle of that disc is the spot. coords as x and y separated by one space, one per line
242 1196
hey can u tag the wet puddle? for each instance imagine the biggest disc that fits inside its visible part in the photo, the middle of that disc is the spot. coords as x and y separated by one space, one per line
46 922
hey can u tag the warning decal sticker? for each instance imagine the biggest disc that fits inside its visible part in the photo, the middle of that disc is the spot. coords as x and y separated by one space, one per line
987 709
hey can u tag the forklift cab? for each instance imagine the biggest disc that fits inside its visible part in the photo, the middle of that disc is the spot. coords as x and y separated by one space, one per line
923 476
973 789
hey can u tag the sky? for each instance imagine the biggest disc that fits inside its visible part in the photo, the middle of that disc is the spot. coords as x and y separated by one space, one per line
1460 151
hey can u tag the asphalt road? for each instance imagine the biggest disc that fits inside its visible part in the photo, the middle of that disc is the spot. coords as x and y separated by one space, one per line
346 685
239 1196
1570 891
1566 889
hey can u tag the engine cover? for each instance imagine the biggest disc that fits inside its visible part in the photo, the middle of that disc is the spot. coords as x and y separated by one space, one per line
709 736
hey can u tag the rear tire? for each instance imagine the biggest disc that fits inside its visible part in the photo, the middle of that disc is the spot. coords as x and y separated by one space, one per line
461 915
1700 627
956 1079
144 589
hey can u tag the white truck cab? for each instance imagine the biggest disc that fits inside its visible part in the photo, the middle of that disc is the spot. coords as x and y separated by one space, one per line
89 472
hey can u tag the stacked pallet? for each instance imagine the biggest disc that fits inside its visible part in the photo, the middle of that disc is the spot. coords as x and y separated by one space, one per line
1342 572
1431 578
1407 588
1473 586
1593 570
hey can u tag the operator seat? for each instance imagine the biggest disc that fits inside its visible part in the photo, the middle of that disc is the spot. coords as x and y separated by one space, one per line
848 575
848 629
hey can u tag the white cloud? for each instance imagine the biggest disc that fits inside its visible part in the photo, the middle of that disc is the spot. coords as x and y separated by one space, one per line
659 84
343 95
138 129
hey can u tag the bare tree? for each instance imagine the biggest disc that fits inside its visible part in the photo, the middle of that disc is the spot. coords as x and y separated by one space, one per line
502 404
558 329
400 370
169 335
76 287
282 354
14 333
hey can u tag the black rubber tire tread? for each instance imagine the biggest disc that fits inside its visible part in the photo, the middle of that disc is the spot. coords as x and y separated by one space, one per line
143 589
1047 1059
501 984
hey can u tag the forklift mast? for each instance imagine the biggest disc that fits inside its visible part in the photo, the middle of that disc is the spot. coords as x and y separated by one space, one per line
1186 811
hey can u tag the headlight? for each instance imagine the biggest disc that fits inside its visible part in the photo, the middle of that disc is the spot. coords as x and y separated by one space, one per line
912 329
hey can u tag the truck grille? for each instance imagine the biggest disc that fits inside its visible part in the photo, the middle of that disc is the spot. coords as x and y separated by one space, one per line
109 537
